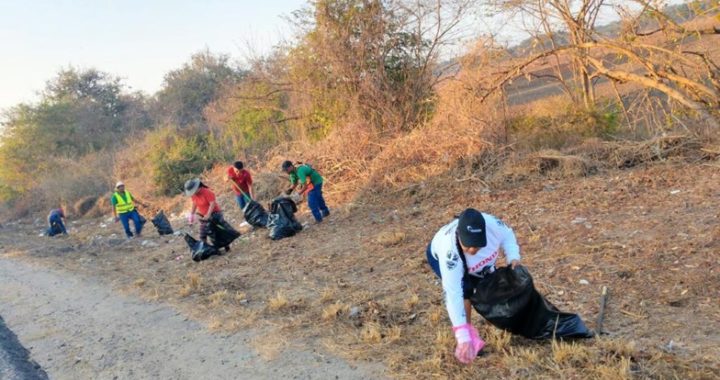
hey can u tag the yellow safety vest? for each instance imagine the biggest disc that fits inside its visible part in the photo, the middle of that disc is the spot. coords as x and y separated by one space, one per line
123 206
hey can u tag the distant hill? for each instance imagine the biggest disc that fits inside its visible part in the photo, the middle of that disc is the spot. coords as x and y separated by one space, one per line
679 13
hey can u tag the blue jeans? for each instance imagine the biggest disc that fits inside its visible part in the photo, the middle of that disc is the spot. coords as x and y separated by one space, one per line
125 220
242 201
316 202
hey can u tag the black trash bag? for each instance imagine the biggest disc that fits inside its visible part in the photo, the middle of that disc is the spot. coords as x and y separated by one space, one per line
142 219
221 233
199 250
508 299
162 224
282 222
53 230
255 214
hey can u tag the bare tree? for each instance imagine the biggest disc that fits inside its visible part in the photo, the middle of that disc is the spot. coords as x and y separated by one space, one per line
681 71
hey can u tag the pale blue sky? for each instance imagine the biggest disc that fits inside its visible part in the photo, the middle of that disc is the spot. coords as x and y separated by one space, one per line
137 40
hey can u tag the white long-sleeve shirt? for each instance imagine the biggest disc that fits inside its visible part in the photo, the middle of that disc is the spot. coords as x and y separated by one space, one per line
445 249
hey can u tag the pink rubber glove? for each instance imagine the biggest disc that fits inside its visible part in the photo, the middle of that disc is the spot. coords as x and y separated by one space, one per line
191 218
476 341
468 343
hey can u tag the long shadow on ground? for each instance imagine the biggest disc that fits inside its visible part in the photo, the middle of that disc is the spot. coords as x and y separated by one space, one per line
15 362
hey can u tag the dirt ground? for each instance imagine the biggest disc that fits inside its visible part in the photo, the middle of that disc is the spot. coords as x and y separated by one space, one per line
77 328
358 286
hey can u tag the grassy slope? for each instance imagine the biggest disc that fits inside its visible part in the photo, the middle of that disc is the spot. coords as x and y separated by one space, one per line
651 234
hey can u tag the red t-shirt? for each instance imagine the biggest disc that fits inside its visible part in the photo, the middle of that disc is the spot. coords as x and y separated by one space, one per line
242 179
202 200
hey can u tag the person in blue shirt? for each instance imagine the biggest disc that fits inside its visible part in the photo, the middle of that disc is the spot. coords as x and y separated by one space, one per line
55 222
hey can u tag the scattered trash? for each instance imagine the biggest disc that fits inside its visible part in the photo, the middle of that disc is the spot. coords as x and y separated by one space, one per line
579 220
355 311
149 244
673 192
669 347
584 282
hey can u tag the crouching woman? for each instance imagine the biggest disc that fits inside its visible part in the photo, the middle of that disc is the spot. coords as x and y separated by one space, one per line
205 204
462 253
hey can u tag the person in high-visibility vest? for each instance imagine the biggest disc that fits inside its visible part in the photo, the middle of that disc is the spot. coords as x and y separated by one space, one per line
124 210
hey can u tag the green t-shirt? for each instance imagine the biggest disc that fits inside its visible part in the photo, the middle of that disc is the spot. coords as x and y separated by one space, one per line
302 172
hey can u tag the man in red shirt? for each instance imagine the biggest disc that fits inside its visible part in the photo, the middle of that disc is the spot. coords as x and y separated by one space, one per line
206 207
241 183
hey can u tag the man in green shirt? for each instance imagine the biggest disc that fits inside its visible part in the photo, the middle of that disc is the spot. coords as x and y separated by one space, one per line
307 181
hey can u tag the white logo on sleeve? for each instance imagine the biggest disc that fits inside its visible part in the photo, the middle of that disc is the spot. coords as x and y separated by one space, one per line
474 230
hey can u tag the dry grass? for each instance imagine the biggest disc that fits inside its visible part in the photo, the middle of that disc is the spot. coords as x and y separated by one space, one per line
570 354
371 333
412 301
403 322
278 302
194 280
333 311
327 295
498 340
190 284
218 298
140 282
215 323
390 238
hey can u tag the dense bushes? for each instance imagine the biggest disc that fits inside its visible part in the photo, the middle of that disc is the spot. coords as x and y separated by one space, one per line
568 126
177 156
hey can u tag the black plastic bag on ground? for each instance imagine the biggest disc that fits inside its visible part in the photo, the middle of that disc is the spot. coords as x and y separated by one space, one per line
282 222
255 214
221 232
162 224
508 299
199 250
53 230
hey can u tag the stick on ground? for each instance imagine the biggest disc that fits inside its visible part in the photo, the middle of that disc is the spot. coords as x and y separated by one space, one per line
601 313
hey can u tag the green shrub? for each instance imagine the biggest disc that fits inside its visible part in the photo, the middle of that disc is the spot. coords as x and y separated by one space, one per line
177 157
565 129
